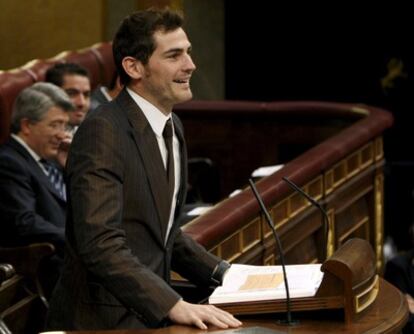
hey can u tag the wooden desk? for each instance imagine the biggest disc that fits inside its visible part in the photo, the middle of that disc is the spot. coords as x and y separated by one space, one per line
388 314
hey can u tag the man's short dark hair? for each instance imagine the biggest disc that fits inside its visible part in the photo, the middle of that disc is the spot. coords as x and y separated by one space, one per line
56 73
135 36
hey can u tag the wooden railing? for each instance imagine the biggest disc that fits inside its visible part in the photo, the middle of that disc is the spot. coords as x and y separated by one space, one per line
341 165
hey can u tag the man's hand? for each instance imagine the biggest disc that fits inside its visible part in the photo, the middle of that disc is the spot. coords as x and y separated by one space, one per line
200 315
63 150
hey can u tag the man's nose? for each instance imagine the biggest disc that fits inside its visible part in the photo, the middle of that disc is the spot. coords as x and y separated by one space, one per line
189 63
79 100
61 134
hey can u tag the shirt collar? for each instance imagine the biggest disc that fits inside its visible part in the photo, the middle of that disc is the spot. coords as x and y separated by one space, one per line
34 155
105 93
155 117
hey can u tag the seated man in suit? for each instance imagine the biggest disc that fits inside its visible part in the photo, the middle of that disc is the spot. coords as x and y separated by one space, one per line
33 204
103 94
127 173
74 80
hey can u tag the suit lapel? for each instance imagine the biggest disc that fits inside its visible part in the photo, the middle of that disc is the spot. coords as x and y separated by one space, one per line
147 145
35 168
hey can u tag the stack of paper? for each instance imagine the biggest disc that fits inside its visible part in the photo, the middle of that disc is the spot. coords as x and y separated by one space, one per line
266 171
244 283
199 210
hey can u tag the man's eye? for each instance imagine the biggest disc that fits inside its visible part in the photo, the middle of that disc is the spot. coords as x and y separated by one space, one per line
58 126
72 92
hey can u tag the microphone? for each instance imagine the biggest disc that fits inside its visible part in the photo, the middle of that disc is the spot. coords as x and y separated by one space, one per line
316 204
269 220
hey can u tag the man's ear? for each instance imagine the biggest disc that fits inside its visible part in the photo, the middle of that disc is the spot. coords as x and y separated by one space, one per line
133 67
25 126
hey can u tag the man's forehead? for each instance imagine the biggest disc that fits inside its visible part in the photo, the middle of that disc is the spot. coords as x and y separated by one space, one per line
56 111
165 40
75 80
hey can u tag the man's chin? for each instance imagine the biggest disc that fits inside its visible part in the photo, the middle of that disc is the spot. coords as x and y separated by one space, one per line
76 121
185 97
51 154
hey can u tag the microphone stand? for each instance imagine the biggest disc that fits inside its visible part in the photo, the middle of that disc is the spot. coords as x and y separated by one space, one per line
314 203
288 321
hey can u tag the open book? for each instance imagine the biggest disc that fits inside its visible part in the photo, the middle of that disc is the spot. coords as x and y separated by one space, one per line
245 283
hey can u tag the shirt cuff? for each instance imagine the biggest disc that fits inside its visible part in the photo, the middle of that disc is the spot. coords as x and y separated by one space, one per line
219 271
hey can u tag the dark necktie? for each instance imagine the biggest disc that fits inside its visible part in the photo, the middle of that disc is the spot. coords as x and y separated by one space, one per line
168 137
55 177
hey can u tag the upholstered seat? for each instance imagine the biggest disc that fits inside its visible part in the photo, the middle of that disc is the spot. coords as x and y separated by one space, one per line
97 59
11 83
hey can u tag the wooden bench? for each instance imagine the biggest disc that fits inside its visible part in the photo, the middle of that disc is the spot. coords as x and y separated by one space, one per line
23 305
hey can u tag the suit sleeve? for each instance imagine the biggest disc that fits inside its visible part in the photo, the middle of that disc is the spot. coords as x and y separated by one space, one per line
19 207
192 261
96 178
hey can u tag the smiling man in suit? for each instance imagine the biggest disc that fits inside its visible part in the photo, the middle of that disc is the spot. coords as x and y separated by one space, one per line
75 81
127 171
32 205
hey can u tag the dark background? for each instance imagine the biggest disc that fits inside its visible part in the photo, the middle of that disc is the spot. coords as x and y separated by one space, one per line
341 53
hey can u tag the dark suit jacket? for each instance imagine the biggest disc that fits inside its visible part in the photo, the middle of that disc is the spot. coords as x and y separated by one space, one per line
117 264
31 209
97 98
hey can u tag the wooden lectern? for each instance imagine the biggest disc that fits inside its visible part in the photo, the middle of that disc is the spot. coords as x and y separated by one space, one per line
350 282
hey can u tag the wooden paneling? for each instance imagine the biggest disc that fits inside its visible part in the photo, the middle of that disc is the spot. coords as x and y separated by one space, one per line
350 206
40 29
